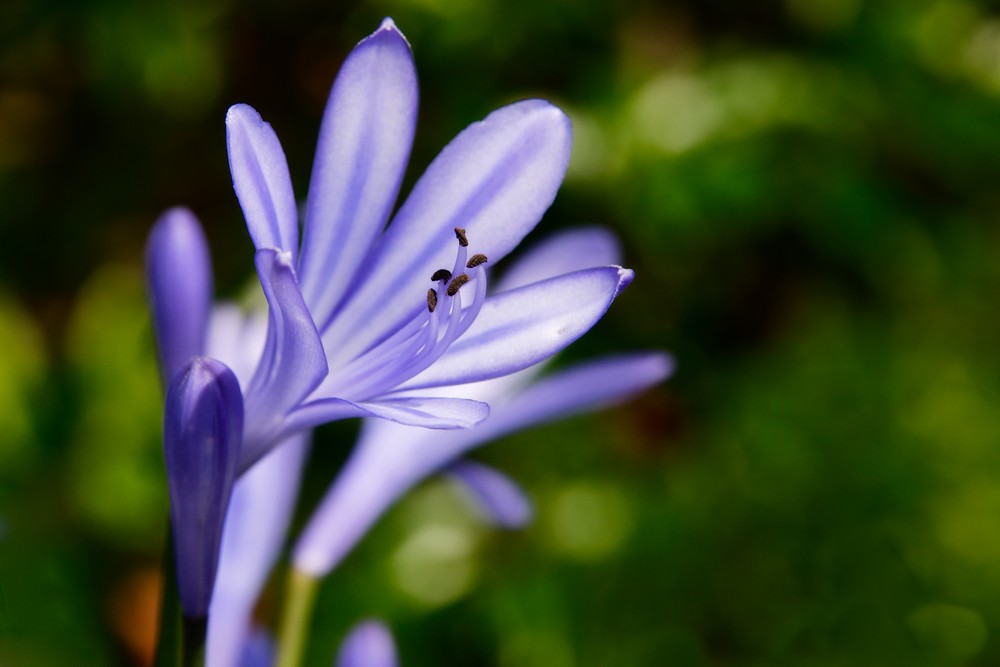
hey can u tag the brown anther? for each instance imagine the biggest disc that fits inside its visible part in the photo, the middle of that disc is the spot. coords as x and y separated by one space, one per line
475 261
441 274
456 283
432 300
460 233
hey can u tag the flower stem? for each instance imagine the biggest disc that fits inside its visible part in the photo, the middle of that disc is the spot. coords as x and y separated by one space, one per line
168 641
195 631
181 640
300 594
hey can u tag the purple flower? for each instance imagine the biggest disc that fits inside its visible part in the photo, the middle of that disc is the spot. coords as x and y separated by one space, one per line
202 426
179 275
369 644
373 317
390 458
357 325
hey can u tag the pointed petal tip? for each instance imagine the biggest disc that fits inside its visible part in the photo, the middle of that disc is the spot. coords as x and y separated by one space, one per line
625 278
201 374
387 30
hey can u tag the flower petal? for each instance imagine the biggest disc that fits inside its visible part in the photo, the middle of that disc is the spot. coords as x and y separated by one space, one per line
370 644
427 412
496 495
259 651
255 530
390 458
261 180
495 179
364 144
521 327
179 275
581 388
236 338
563 252
293 363
202 427
377 472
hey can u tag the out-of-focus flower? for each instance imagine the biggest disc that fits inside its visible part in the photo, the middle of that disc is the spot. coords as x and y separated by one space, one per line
499 498
179 275
255 531
202 426
369 644
390 458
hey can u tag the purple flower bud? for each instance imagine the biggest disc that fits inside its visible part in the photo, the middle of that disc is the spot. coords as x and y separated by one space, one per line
179 276
370 644
202 430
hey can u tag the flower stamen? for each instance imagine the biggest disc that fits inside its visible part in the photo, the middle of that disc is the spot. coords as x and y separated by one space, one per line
456 283
441 274
427 336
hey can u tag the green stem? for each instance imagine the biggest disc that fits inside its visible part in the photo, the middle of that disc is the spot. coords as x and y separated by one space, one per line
300 594
168 641
181 640
193 641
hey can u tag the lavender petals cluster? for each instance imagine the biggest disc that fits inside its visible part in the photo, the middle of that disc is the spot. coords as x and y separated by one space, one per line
388 320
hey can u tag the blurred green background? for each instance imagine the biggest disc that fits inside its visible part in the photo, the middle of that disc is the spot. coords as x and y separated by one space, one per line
807 190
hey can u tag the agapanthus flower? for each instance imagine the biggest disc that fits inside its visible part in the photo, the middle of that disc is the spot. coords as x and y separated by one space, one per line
390 458
371 316
359 318
365 322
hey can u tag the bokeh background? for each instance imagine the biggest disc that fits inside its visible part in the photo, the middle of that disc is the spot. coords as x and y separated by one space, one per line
808 192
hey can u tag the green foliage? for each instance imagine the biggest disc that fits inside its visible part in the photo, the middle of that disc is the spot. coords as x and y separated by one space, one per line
807 191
